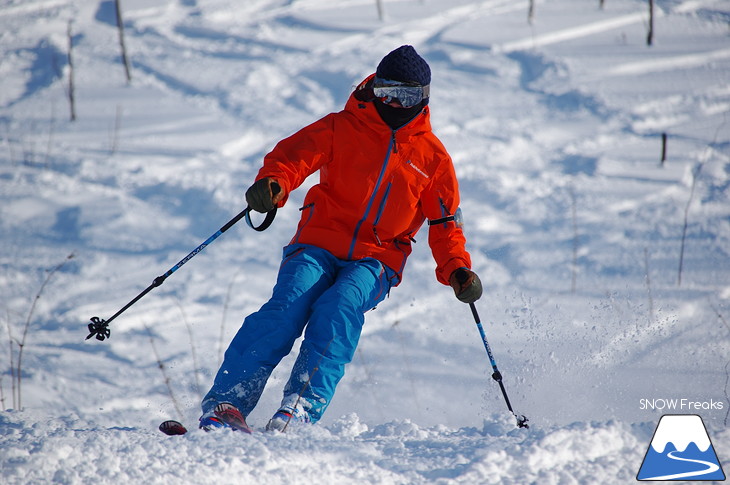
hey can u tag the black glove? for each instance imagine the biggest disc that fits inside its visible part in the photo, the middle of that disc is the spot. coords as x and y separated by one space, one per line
263 195
466 285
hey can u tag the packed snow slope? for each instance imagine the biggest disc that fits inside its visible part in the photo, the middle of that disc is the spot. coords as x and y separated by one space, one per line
606 270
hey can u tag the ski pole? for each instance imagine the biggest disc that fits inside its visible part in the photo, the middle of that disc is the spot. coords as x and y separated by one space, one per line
496 375
100 327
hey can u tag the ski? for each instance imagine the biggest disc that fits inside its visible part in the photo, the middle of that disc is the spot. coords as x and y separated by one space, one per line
172 428
229 414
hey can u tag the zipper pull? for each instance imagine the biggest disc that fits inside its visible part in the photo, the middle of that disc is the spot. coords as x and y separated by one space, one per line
395 144
377 239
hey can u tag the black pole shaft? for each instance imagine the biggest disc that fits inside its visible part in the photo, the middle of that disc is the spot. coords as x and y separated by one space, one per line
135 300
161 279
99 327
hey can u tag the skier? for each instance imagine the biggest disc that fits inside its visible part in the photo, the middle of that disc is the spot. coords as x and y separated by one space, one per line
383 173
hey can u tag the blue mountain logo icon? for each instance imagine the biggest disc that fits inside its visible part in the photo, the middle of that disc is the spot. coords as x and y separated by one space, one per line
680 450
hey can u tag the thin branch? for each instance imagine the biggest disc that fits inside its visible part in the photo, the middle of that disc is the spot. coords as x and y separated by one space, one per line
196 366
165 377
650 34
719 315
648 285
695 175
727 365
122 45
223 318
409 368
21 343
370 380
12 364
51 131
71 89
381 12
114 137
574 218
10 350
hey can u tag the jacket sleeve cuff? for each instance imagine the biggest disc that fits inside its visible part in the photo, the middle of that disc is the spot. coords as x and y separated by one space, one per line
282 183
443 273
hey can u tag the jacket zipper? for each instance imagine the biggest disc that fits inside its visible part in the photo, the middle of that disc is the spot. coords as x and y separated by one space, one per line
391 149
381 208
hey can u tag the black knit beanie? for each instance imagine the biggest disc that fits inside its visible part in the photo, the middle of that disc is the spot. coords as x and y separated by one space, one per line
405 65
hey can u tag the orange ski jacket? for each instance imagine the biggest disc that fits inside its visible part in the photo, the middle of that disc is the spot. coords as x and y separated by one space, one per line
377 187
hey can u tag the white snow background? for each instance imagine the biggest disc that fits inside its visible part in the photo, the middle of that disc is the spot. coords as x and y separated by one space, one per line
575 226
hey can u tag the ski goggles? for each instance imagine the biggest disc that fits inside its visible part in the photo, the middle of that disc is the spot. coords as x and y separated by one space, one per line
407 94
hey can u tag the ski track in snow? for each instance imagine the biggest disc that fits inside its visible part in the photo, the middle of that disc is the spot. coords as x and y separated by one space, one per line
670 63
573 223
570 34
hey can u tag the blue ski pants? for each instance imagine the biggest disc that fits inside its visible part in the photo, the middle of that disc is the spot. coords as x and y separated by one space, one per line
316 294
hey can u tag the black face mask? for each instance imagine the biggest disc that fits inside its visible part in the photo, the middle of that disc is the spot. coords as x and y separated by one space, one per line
396 117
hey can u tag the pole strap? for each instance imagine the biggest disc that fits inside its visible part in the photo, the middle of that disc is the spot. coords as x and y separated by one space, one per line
265 224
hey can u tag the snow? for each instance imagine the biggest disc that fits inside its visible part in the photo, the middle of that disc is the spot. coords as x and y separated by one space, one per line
600 308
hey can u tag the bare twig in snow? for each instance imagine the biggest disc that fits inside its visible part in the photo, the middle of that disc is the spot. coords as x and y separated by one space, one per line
71 89
21 342
223 318
122 45
165 377
695 175
648 285
196 367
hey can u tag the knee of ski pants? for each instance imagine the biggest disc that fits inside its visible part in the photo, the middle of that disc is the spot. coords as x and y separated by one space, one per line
268 334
